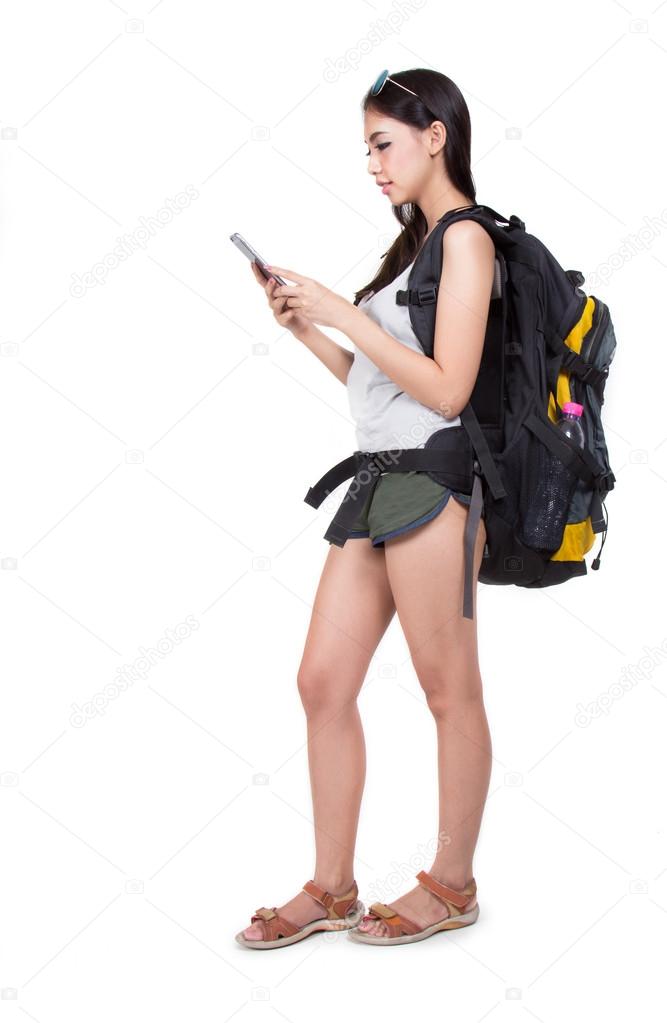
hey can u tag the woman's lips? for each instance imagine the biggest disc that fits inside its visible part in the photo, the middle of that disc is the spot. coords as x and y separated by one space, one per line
387 186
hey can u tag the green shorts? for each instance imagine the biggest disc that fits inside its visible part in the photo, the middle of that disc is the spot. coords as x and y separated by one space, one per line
401 501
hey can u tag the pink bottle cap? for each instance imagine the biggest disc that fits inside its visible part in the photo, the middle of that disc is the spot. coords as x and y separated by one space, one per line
573 407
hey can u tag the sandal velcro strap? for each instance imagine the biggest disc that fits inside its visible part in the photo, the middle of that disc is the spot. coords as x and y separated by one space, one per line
384 911
456 900
264 913
318 893
274 926
336 905
395 923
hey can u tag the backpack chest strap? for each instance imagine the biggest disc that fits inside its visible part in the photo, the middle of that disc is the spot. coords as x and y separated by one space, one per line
417 296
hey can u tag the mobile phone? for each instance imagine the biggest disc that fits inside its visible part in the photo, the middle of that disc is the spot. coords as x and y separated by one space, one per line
254 256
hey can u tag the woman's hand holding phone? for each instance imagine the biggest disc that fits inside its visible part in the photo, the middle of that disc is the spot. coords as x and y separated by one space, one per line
289 318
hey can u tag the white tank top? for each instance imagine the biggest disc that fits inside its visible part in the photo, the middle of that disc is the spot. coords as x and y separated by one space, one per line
385 416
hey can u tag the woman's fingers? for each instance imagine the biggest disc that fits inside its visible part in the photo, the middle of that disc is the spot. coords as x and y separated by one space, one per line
283 313
261 279
277 301
259 276
268 285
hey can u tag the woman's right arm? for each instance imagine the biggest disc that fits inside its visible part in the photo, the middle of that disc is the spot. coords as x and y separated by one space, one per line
332 355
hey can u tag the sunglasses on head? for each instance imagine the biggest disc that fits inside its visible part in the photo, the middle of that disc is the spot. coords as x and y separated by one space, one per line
384 77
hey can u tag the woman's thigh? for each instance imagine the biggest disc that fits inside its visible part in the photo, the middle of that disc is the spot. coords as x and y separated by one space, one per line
352 608
425 568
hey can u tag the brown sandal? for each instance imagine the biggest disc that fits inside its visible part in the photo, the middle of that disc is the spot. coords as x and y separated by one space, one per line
402 930
343 912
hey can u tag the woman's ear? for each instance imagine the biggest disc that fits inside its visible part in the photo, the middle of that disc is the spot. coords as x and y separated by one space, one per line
437 136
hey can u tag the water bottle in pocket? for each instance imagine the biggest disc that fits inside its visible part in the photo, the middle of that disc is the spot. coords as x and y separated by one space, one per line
552 484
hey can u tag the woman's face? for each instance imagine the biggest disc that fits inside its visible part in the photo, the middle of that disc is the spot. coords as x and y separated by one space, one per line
401 154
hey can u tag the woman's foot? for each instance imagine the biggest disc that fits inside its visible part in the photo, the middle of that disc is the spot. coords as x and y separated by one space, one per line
421 906
301 910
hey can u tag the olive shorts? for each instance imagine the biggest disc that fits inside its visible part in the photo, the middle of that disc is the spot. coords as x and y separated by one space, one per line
401 501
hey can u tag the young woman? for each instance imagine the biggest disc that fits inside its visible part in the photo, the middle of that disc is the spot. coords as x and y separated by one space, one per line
405 552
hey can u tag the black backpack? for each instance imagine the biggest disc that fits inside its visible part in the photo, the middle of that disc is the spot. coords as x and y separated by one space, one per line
546 343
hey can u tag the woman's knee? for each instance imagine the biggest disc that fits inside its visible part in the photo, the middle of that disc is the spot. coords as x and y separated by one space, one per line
325 688
449 687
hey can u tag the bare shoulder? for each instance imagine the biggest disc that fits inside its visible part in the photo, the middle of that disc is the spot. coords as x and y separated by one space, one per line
467 237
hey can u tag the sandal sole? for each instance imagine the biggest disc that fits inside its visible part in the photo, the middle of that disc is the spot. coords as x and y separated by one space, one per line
448 924
315 926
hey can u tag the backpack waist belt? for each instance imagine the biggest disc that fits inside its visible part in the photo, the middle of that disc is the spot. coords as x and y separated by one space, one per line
455 469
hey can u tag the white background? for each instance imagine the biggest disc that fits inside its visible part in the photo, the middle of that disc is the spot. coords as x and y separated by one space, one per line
159 433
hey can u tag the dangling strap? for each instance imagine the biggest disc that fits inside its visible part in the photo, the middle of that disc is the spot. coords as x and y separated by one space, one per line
331 479
485 466
365 480
478 441
469 538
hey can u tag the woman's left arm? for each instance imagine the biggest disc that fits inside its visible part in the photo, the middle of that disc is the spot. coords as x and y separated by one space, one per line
445 382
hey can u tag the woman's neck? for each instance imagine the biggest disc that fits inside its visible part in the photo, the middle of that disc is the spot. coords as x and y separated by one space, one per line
436 210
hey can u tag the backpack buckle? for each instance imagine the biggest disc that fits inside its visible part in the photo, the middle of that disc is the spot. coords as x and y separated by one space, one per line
427 295
606 482
416 296
373 462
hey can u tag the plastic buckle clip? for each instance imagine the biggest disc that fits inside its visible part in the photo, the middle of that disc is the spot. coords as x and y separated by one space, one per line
427 295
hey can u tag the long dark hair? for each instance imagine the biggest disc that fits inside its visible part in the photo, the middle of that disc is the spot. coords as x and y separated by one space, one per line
441 100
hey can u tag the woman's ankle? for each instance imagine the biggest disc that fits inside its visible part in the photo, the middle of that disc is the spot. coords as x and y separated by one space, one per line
454 877
334 882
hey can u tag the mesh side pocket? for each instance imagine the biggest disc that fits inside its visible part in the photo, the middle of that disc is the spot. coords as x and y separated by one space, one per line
547 489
